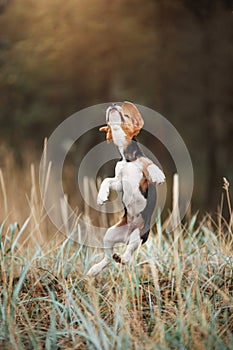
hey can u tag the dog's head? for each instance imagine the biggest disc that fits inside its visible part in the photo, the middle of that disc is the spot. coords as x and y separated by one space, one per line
125 118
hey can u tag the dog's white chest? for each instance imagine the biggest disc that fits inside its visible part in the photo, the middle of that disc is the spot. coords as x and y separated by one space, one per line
131 175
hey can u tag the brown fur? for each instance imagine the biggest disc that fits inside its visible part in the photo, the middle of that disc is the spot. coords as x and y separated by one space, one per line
108 130
146 162
143 185
130 130
123 221
131 110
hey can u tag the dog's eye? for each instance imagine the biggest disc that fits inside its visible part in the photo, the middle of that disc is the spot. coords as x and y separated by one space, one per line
127 119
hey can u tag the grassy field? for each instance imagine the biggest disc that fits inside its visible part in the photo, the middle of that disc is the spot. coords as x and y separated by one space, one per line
176 294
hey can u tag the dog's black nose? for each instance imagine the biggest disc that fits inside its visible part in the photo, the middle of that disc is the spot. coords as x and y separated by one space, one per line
113 104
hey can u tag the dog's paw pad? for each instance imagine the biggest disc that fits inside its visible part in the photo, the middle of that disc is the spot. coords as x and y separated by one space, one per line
117 258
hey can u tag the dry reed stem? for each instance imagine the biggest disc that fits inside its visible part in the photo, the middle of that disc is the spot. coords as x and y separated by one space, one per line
3 187
226 188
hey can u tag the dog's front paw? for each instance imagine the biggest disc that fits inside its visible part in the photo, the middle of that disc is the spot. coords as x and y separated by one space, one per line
103 192
102 197
100 201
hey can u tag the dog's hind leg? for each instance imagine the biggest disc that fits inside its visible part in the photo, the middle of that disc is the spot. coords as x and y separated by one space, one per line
115 234
133 244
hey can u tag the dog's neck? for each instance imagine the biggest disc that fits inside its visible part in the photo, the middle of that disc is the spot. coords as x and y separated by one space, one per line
130 150
119 139
133 151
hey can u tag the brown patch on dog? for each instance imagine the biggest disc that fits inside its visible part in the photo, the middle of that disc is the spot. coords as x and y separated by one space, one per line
123 221
141 226
129 130
146 162
143 185
117 258
108 131
131 110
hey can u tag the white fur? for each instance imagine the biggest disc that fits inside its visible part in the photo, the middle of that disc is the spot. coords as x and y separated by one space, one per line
112 236
114 183
127 179
117 234
118 135
133 199
157 176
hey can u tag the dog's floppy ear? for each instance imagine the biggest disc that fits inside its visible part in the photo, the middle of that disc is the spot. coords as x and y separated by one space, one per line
131 110
108 131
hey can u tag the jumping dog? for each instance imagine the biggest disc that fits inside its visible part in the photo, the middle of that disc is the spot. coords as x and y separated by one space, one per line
135 177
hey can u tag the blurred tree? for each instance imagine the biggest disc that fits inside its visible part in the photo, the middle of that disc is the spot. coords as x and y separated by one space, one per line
216 63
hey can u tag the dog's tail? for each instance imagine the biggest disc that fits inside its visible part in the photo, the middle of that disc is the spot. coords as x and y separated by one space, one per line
148 211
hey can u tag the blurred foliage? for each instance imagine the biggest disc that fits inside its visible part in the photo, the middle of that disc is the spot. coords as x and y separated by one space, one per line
175 56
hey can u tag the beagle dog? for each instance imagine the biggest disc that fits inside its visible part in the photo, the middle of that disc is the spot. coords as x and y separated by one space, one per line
135 177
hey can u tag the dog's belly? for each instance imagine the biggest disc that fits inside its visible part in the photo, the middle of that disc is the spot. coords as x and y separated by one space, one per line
132 198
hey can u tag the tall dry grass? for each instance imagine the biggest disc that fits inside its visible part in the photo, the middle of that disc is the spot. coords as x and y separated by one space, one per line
176 294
